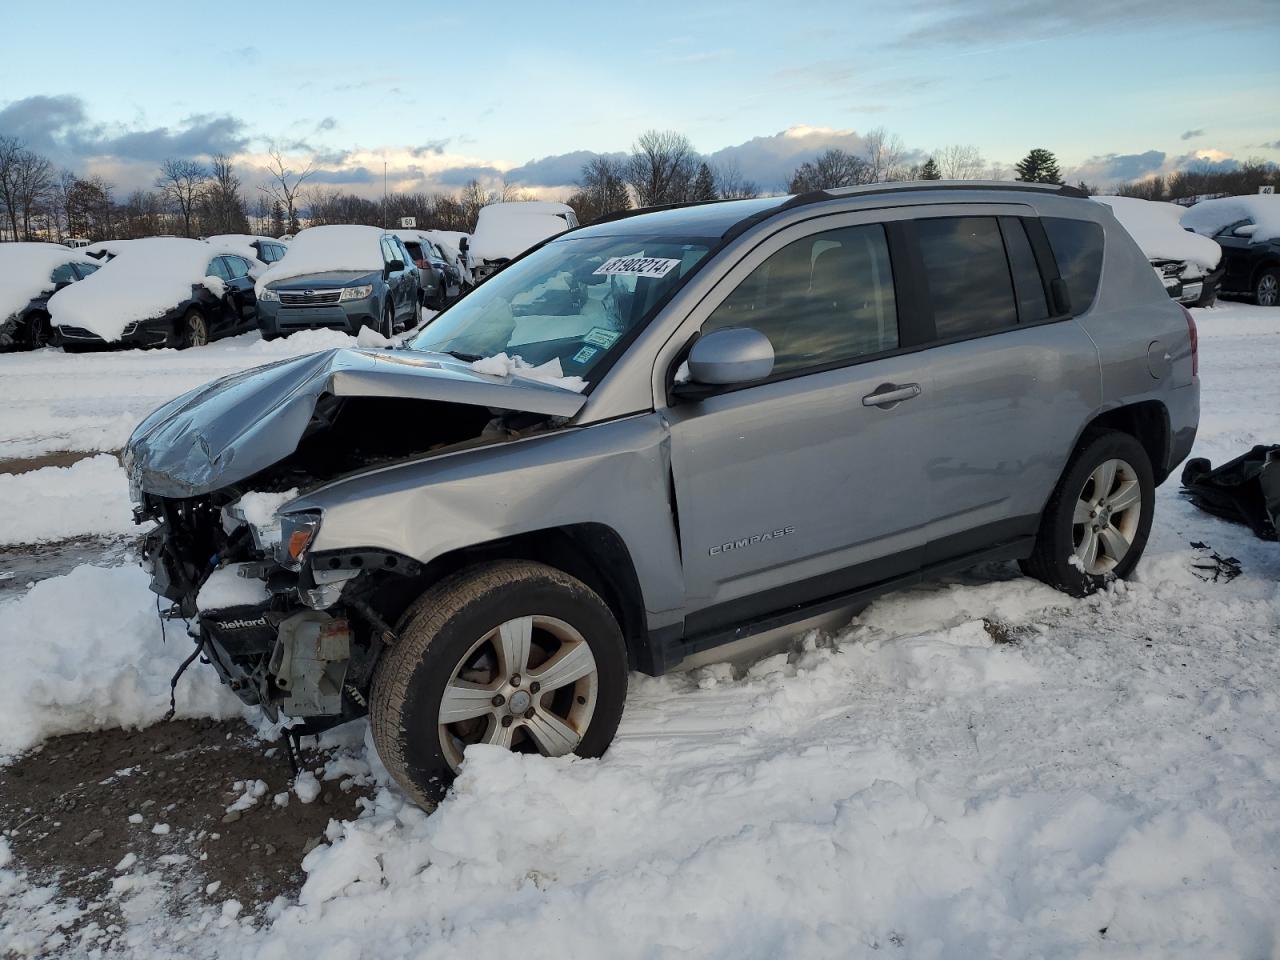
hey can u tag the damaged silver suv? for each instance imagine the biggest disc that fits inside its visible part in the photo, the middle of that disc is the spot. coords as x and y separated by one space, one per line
726 420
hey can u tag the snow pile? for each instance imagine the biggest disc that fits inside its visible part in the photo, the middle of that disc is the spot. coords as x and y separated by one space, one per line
88 498
550 372
325 249
25 269
506 230
86 651
1156 228
145 279
226 588
1209 216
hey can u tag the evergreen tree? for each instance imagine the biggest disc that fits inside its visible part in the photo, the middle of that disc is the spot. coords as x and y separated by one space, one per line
1038 166
930 170
704 184
277 219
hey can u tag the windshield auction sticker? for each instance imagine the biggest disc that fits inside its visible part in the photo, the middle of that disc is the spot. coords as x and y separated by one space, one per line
636 267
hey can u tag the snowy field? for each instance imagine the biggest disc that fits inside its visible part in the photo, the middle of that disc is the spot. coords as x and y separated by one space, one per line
976 768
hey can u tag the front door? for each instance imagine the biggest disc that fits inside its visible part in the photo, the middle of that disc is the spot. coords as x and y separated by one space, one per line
803 486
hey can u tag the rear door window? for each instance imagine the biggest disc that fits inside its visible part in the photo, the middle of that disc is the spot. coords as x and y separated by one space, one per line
84 269
1077 246
967 274
62 274
238 267
218 268
1028 286
821 300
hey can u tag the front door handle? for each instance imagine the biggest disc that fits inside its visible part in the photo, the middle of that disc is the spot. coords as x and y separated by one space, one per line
889 395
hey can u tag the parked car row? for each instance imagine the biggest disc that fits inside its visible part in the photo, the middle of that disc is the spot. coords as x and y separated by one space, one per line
179 292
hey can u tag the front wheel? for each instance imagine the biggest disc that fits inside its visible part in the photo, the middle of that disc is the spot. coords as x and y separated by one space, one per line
1266 291
514 654
39 332
1097 521
388 321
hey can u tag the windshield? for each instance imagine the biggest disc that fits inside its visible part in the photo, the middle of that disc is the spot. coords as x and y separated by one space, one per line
574 300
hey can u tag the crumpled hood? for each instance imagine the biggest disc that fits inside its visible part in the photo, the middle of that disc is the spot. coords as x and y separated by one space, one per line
234 427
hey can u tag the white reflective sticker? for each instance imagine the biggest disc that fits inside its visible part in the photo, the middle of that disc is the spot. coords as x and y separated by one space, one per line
601 337
636 267
585 354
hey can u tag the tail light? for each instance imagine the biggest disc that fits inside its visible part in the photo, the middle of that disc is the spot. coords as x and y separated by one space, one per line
1194 335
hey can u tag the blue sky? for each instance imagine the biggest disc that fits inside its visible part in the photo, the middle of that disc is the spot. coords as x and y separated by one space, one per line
1114 87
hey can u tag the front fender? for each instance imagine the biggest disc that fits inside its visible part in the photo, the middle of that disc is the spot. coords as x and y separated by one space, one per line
615 473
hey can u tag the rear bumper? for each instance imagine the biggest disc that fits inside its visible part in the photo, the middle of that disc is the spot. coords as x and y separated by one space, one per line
1183 404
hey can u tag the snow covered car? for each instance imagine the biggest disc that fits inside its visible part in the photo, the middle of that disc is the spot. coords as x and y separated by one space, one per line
1248 230
267 250
506 230
157 292
1186 263
761 412
30 273
440 281
341 278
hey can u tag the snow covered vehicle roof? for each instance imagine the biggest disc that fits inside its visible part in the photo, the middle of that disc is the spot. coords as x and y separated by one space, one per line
1208 217
506 230
1156 228
328 248
144 279
25 270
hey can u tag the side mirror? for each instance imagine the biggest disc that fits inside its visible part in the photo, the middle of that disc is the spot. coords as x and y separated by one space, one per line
394 266
464 244
1060 296
1245 230
729 357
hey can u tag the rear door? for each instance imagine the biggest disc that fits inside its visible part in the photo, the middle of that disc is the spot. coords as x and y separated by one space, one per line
1012 382
1236 259
244 299
224 316
800 487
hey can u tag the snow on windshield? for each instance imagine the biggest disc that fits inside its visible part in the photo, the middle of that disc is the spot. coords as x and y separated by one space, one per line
324 249
145 279
1156 228
25 270
1209 216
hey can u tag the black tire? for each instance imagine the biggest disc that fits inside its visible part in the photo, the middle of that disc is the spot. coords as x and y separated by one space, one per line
436 634
1266 288
39 331
269 334
1054 558
388 326
193 330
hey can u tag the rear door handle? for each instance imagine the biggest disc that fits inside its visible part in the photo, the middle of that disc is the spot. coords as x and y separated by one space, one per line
889 395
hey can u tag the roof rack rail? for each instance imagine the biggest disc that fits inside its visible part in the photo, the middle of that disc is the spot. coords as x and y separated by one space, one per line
636 211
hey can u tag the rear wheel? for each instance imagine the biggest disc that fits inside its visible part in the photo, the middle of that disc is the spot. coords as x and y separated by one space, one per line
513 654
193 330
1266 290
1096 524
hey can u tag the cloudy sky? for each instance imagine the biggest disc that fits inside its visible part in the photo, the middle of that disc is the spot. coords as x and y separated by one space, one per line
444 92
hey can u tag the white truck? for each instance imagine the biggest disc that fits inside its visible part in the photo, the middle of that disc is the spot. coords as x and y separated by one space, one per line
506 230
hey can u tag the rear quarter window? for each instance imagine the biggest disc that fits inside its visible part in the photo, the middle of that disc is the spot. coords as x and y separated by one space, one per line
1077 247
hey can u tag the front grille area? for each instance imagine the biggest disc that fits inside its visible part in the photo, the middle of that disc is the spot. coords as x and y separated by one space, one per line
310 298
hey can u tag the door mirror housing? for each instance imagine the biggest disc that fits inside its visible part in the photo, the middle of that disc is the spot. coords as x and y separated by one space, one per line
730 357
1245 230
394 266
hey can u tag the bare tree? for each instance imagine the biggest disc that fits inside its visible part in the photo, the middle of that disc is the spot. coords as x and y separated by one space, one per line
960 162
832 168
661 168
182 183
732 185
603 184
223 207
884 152
26 186
285 184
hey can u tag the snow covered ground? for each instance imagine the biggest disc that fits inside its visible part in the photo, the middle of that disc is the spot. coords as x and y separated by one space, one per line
976 768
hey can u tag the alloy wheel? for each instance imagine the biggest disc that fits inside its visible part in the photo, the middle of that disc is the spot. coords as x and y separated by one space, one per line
1268 294
197 331
1106 517
530 684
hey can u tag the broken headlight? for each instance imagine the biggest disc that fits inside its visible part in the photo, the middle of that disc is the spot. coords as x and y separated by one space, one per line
297 530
